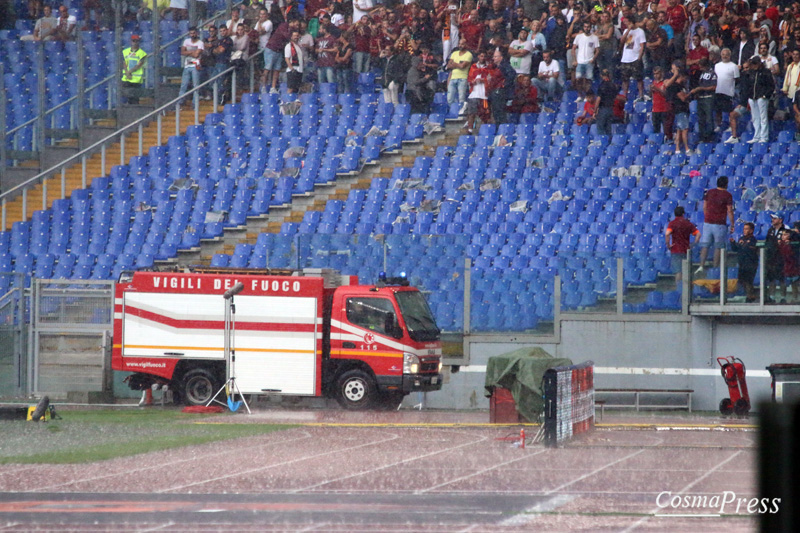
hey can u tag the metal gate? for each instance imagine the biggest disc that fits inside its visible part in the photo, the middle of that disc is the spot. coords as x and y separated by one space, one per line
13 336
70 339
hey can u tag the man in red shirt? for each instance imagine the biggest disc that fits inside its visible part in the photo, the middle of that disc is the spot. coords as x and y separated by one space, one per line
717 207
662 111
678 19
678 237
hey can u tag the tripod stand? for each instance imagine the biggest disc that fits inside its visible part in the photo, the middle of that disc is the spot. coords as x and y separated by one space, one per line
230 353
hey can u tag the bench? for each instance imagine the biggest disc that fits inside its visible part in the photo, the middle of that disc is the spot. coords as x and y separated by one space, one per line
638 393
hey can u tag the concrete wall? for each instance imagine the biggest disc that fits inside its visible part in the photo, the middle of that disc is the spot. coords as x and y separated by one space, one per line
657 354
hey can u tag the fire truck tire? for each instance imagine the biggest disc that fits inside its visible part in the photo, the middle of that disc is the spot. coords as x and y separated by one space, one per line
355 390
198 387
726 406
741 407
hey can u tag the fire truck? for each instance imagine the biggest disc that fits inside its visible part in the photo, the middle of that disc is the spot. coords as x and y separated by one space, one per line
296 333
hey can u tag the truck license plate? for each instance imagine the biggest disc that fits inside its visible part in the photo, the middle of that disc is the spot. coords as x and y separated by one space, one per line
434 380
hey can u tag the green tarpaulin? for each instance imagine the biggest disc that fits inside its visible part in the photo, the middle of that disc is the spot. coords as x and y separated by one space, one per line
521 372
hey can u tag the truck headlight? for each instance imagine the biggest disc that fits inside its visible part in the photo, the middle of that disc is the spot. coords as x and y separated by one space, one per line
440 367
410 363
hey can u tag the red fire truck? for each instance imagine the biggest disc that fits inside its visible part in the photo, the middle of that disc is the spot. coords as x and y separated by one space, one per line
300 333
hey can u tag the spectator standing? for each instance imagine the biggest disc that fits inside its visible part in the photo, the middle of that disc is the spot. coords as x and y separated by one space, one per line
727 74
477 101
678 238
362 34
222 58
657 47
360 9
747 253
678 98
558 45
717 208
458 64
773 271
662 115
394 72
546 80
606 35
586 48
263 28
791 82
178 8
633 41
503 88
787 247
273 54
606 95
770 62
521 53
234 21
678 20
704 94
742 109
696 52
133 60
343 61
745 48
760 87
326 54
295 60
191 50
451 38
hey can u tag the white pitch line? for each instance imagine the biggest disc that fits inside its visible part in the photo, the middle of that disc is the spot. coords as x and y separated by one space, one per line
593 472
284 463
522 518
383 467
160 466
157 528
684 489
479 472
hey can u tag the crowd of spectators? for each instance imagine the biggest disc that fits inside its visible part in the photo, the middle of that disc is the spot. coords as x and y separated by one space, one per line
492 57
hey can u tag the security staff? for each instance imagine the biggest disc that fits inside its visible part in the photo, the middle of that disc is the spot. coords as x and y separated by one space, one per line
133 68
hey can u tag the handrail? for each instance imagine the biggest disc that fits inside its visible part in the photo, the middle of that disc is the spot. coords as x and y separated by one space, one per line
5 196
220 14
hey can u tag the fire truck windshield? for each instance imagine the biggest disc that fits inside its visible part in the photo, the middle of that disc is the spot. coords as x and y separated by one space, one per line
419 319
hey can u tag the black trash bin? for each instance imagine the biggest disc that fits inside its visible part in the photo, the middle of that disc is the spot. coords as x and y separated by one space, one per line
785 382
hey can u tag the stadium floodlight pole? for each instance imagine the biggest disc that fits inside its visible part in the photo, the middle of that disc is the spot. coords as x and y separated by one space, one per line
229 349
118 47
155 58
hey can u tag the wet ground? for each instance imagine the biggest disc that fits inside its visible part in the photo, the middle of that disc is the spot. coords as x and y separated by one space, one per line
407 471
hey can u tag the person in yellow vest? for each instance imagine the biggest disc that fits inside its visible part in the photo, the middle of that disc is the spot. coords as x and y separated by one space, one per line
133 68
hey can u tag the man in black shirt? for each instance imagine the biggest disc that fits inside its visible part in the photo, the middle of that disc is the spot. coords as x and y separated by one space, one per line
606 94
747 258
704 94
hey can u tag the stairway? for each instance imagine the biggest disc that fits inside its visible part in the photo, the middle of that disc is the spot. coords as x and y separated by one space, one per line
94 167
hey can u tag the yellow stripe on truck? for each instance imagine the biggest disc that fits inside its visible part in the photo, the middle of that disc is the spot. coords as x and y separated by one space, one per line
367 353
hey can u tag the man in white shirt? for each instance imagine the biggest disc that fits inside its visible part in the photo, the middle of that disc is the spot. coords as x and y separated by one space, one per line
791 82
546 80
727 73
191 50
770 61
44 28
295 60
66 26
633 41
585 47
520 53
361 8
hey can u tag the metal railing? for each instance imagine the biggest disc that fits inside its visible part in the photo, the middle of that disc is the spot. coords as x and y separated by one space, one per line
77 102
119 135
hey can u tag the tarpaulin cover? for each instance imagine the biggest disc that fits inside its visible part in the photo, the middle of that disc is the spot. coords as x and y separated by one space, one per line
521 372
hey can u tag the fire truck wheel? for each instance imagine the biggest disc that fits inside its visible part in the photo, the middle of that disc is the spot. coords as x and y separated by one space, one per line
356 390
726 406
198 387
741 407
